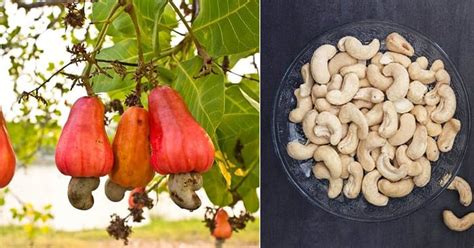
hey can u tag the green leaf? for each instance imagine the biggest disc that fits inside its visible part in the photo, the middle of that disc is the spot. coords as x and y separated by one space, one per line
227 27
251 201
203 96
216 187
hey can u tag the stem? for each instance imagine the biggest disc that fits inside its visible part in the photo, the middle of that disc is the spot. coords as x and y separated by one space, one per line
130 9
100 40
190 31
153 187
240 75
234 189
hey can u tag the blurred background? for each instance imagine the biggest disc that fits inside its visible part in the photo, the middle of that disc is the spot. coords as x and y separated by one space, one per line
34 210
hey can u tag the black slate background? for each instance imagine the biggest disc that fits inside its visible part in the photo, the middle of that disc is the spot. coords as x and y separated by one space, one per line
288 220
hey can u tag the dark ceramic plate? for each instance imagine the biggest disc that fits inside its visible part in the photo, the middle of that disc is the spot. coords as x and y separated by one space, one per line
315 190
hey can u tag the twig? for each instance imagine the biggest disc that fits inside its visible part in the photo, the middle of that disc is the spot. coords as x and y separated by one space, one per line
45 3
240 75
153 187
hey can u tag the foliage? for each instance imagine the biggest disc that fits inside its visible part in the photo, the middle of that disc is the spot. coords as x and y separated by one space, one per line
144 47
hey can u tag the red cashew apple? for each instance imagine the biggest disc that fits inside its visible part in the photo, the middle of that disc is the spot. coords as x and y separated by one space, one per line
83 151
131 201
222 228
131 148
7 155
180 146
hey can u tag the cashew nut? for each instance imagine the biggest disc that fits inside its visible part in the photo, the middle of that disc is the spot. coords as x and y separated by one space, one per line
377 79
305 88
345 161
442 77
416 92
424 178
414 168
403 105
464 190
448 134
392 173
335 83
416 72
340 60
354 183
358 69
417 147
350 113
320 171
422 61
375 115
364 83
389 125
396 189
361 104
431 97
80 191
372 142
348 90
309 122
348 145
399 88
437 65
406 130
391 57
370 94
370 189
376 60
319 63
303 105
331 159
397 43
458 224
318 91
182 189
357 50
421 114
114 191
333 124
447 105
299 151
321 104
432 151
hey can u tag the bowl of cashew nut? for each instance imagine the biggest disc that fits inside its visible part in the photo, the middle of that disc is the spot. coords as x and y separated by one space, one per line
371 122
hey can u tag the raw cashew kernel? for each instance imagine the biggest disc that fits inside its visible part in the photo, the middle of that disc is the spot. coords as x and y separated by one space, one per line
397 43
319 63
416 72
370 94
416 92
333 124
305 88
375 115
377 79
357 50
335 83
448 134
442 77
376 60
403 105
350 113
417 147
182 189
320 171
321 104
458 224
396 189
370 189
389 125
432 151
309 122
421 114
340 60
437 65
391 57
361 104
424 178
318 91
414 168
364 82
422 61
358 69
392 173
348 144
353 185
80 191
299 151
331 159
431 97
399 88
303 105
345 161
447 105
464 190
349 88
406 130
365 147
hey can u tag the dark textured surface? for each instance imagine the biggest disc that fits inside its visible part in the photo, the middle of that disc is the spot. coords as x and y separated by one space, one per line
288 220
